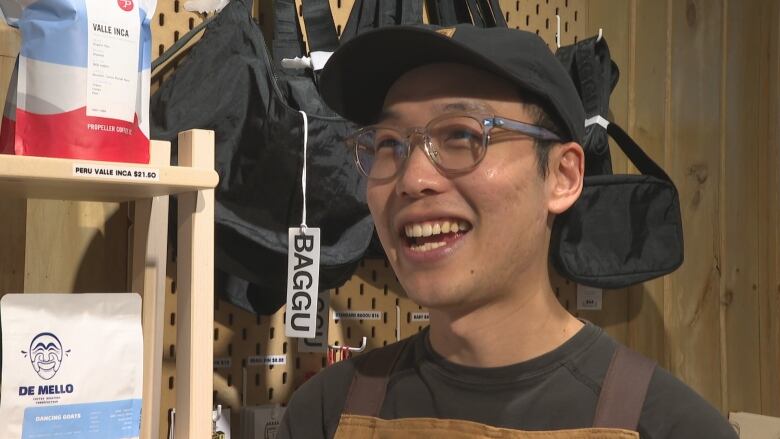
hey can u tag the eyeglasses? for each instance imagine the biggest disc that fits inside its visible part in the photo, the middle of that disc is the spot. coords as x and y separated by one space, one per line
454 143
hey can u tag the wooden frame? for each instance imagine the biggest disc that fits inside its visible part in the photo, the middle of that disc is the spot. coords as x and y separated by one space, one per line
193 181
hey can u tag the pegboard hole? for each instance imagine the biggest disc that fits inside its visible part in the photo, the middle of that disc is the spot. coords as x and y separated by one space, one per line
230 380
362 289
537 9
300 10
576 13
297 363
170 383
216 334
176 6
272 333
408 317
527 20
336 291
284 347
161 19
284 378
257 379
338 4
270 393
173 319
349 332
373 331
507 17
373 275
546 23
384 317
373 303
175 36
191 23
172 351
257 348
160 50
385 290
517 6
349 303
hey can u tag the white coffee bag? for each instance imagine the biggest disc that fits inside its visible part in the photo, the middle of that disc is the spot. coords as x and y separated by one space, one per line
72 366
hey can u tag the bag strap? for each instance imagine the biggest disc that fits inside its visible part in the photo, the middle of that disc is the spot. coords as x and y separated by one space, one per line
369 383
288 41
320 29
624 390
638 157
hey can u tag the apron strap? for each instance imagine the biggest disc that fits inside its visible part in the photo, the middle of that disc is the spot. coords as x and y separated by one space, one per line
624 389
369 383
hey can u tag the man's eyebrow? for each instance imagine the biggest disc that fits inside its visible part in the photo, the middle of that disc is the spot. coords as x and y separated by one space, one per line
466 106
386 115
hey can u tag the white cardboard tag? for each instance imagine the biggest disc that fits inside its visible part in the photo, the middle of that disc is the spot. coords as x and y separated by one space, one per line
319 343
589 298
303 275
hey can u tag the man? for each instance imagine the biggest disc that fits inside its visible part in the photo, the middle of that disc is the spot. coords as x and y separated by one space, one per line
470 149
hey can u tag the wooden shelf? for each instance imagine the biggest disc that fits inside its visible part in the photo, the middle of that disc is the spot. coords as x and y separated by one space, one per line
53 178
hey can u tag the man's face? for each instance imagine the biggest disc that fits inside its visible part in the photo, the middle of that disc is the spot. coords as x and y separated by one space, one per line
500 207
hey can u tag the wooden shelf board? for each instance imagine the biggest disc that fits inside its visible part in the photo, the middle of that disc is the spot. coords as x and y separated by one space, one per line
54 178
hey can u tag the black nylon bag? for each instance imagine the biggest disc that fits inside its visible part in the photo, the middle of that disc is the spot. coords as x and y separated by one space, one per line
228 83
624 229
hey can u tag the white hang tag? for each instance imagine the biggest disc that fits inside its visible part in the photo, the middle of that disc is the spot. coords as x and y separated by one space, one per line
319 343
589 298
319 59
303 274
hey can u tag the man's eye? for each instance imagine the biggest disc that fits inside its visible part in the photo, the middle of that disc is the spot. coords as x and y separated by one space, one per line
388 142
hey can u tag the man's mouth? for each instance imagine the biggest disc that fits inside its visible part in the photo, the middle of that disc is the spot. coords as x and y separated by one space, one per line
430 235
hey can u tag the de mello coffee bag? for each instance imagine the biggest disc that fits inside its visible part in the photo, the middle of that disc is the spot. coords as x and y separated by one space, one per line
81 84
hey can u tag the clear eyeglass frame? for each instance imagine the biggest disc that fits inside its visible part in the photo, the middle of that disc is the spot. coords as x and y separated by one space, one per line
431 145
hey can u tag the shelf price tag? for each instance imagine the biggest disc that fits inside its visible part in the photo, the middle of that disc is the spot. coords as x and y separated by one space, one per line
114 172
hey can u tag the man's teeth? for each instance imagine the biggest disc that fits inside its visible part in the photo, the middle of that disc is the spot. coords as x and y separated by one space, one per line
435 228
427 246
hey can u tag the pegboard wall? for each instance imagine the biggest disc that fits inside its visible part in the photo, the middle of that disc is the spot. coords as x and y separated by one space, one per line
241 338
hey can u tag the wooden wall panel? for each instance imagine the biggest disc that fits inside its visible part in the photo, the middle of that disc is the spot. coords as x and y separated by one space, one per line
769 211
739 201
647 112
692 304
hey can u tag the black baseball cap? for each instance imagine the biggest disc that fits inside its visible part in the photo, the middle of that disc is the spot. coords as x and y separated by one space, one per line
355 81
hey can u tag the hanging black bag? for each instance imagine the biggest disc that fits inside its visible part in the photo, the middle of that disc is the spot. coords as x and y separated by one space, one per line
227 83
624 229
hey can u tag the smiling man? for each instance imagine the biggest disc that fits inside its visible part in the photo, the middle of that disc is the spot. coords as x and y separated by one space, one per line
470 148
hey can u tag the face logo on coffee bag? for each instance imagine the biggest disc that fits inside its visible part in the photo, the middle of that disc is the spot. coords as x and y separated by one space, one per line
126 5
46 355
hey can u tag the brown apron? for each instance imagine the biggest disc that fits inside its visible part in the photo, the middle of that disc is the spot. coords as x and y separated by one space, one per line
617 411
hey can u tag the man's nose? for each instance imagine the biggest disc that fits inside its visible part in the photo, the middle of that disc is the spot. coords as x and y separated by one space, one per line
419 176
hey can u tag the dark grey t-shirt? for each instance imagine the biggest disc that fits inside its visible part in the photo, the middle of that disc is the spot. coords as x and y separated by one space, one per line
557 390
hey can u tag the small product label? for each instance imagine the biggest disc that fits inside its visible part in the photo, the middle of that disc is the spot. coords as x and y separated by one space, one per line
116 172
319 343
113 39
266 360
357 315
589 298
223 363
303 275
420 317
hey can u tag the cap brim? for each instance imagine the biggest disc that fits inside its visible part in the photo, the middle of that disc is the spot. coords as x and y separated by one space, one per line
356 79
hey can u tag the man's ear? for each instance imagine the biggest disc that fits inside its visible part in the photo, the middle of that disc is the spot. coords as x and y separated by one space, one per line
565 171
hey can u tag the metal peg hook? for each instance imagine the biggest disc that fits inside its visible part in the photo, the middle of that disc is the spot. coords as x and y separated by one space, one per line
601 35
558 31
351 349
